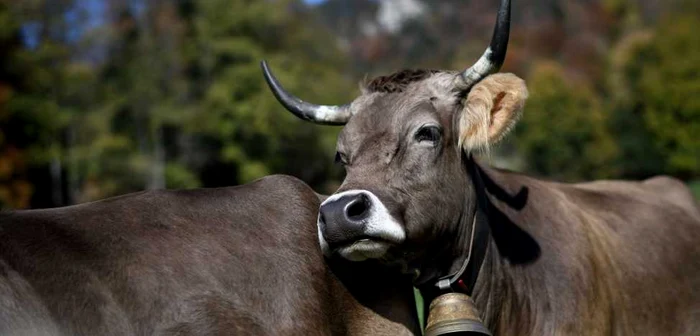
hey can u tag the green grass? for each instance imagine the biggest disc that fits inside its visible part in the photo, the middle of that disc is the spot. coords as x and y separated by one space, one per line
419 307
695 188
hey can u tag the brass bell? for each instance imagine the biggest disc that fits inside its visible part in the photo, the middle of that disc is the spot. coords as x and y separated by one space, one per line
454 314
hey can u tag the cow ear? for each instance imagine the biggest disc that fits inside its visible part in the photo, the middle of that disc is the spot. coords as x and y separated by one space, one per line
491 109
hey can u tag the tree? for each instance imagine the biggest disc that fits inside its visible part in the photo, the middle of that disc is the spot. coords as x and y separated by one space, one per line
660 81
237 120
564 132
15 189
33 112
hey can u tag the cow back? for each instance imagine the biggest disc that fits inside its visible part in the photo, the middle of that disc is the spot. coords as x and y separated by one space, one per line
238 260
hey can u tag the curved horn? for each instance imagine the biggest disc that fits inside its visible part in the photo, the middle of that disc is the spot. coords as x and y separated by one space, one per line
320 114
492 59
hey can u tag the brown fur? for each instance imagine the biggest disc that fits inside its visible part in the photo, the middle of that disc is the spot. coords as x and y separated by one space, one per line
599 258
617 258
228 261
397 82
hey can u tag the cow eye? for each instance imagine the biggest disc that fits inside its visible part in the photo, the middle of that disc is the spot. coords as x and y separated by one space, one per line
340 158
428 133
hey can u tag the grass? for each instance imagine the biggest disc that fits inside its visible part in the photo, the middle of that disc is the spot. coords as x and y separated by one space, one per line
695 188
419 307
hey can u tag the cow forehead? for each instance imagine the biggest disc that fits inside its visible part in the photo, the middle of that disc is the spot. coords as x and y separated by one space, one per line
374 111
439 85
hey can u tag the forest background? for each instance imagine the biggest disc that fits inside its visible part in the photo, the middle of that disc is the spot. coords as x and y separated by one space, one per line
104 97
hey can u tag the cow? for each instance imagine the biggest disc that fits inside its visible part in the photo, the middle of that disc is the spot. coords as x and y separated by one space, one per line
223 261
538 257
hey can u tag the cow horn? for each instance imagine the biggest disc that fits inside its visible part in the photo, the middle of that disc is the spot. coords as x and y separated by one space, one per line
492 59
320 114
454 314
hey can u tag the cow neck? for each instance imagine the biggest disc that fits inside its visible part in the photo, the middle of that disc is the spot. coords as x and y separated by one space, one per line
372 299
464 279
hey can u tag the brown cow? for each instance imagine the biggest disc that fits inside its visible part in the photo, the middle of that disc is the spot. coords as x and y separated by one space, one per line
539 257
228 261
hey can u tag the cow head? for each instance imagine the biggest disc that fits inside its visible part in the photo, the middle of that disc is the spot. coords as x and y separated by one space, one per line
404 143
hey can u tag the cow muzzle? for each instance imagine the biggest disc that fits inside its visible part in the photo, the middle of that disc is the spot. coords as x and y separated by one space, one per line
357 225
454 314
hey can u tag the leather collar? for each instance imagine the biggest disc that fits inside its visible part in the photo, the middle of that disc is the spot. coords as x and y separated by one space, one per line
464 279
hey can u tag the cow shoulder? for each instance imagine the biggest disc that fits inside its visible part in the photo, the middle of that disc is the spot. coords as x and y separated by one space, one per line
612 240
673 190
296 189
663 194
129 257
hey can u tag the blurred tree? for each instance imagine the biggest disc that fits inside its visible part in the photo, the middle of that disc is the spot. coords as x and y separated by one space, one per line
155 94
15 189
564 132
104 97
655 83
236 117
33 108
141 95
639 157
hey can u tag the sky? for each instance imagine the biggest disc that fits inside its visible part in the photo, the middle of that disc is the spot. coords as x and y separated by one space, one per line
314 2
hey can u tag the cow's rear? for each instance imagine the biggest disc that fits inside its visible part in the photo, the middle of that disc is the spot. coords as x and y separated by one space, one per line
220 261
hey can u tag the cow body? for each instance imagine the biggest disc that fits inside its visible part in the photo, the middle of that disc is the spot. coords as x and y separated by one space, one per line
228 261
597 258
617 258
539 258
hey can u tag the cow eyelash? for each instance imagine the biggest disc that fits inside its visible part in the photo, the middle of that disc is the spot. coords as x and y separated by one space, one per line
340 158
428 133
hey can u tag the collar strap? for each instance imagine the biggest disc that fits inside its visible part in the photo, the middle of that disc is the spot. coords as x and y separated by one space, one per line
464 279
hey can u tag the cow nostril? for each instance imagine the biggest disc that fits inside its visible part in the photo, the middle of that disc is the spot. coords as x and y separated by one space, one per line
357 210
